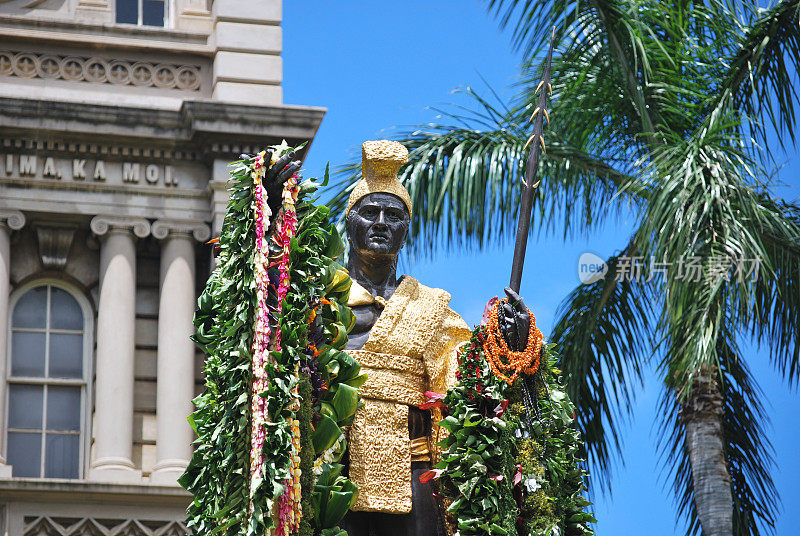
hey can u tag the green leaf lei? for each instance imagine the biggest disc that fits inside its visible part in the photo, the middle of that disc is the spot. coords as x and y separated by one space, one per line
510 464
314 322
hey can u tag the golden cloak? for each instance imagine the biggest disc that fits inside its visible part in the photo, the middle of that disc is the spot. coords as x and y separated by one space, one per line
411 349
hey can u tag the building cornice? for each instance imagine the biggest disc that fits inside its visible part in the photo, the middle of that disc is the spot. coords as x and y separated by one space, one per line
57 489
212 129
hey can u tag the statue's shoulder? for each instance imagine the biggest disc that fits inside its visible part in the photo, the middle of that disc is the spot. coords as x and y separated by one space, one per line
425 292
449 329
450 320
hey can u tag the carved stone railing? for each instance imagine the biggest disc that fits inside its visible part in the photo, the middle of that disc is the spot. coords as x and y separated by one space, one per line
98 70
87 526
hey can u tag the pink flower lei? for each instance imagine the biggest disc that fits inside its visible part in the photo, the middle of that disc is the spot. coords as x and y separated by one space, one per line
287 511
261 338
288 507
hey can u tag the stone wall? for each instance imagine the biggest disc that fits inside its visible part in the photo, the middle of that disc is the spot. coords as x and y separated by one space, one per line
75 51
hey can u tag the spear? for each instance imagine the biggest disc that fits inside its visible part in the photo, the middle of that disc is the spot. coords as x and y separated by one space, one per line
536 143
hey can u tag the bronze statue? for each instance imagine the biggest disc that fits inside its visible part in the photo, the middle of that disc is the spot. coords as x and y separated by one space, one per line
406 338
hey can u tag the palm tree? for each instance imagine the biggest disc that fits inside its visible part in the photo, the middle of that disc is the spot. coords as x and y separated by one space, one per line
660 108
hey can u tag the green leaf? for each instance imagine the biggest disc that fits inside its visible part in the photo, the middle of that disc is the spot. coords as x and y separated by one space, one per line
326 433
327 409
334 531
345 403
338 505
358 381
334 247
349 367
333 367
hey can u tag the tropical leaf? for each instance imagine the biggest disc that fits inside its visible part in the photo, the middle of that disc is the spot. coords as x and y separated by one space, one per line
465 183
762 77
602 331
773 317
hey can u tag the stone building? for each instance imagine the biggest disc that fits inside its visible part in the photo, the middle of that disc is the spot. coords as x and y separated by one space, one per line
117 121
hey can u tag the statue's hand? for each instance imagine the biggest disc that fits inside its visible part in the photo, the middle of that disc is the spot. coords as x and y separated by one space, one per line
514 321
276 176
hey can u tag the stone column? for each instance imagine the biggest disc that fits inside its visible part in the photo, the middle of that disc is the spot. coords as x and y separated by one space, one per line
116 321
9 220
175 367
218 186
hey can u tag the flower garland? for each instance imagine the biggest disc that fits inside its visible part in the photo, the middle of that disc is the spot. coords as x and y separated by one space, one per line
273 322
495 349
509 464
261 339
289 510
286 511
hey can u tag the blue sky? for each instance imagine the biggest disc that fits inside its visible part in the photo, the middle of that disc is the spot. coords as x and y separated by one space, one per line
376 66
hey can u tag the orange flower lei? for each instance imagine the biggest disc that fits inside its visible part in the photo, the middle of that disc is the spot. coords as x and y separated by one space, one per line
496 349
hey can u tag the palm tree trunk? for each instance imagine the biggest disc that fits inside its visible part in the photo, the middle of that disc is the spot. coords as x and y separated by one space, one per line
702 418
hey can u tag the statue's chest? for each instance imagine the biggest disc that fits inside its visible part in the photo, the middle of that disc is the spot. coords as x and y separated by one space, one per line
366 316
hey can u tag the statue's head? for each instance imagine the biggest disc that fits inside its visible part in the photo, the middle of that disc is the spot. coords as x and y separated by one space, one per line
379 208
377 226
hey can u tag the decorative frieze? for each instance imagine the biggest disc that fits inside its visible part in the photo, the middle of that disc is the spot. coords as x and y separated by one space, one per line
83 169
97 149
87 526
96 70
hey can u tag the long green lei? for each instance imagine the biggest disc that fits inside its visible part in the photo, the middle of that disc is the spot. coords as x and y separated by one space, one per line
310 386
510 464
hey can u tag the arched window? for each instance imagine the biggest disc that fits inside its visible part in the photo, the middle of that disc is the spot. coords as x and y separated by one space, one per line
47 379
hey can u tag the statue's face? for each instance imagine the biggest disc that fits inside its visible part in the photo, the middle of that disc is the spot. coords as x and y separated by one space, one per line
377 226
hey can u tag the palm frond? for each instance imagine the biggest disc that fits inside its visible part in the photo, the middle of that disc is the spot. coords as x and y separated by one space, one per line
763 75
602 330
465 180
773 316
530 21
704 207
603 56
